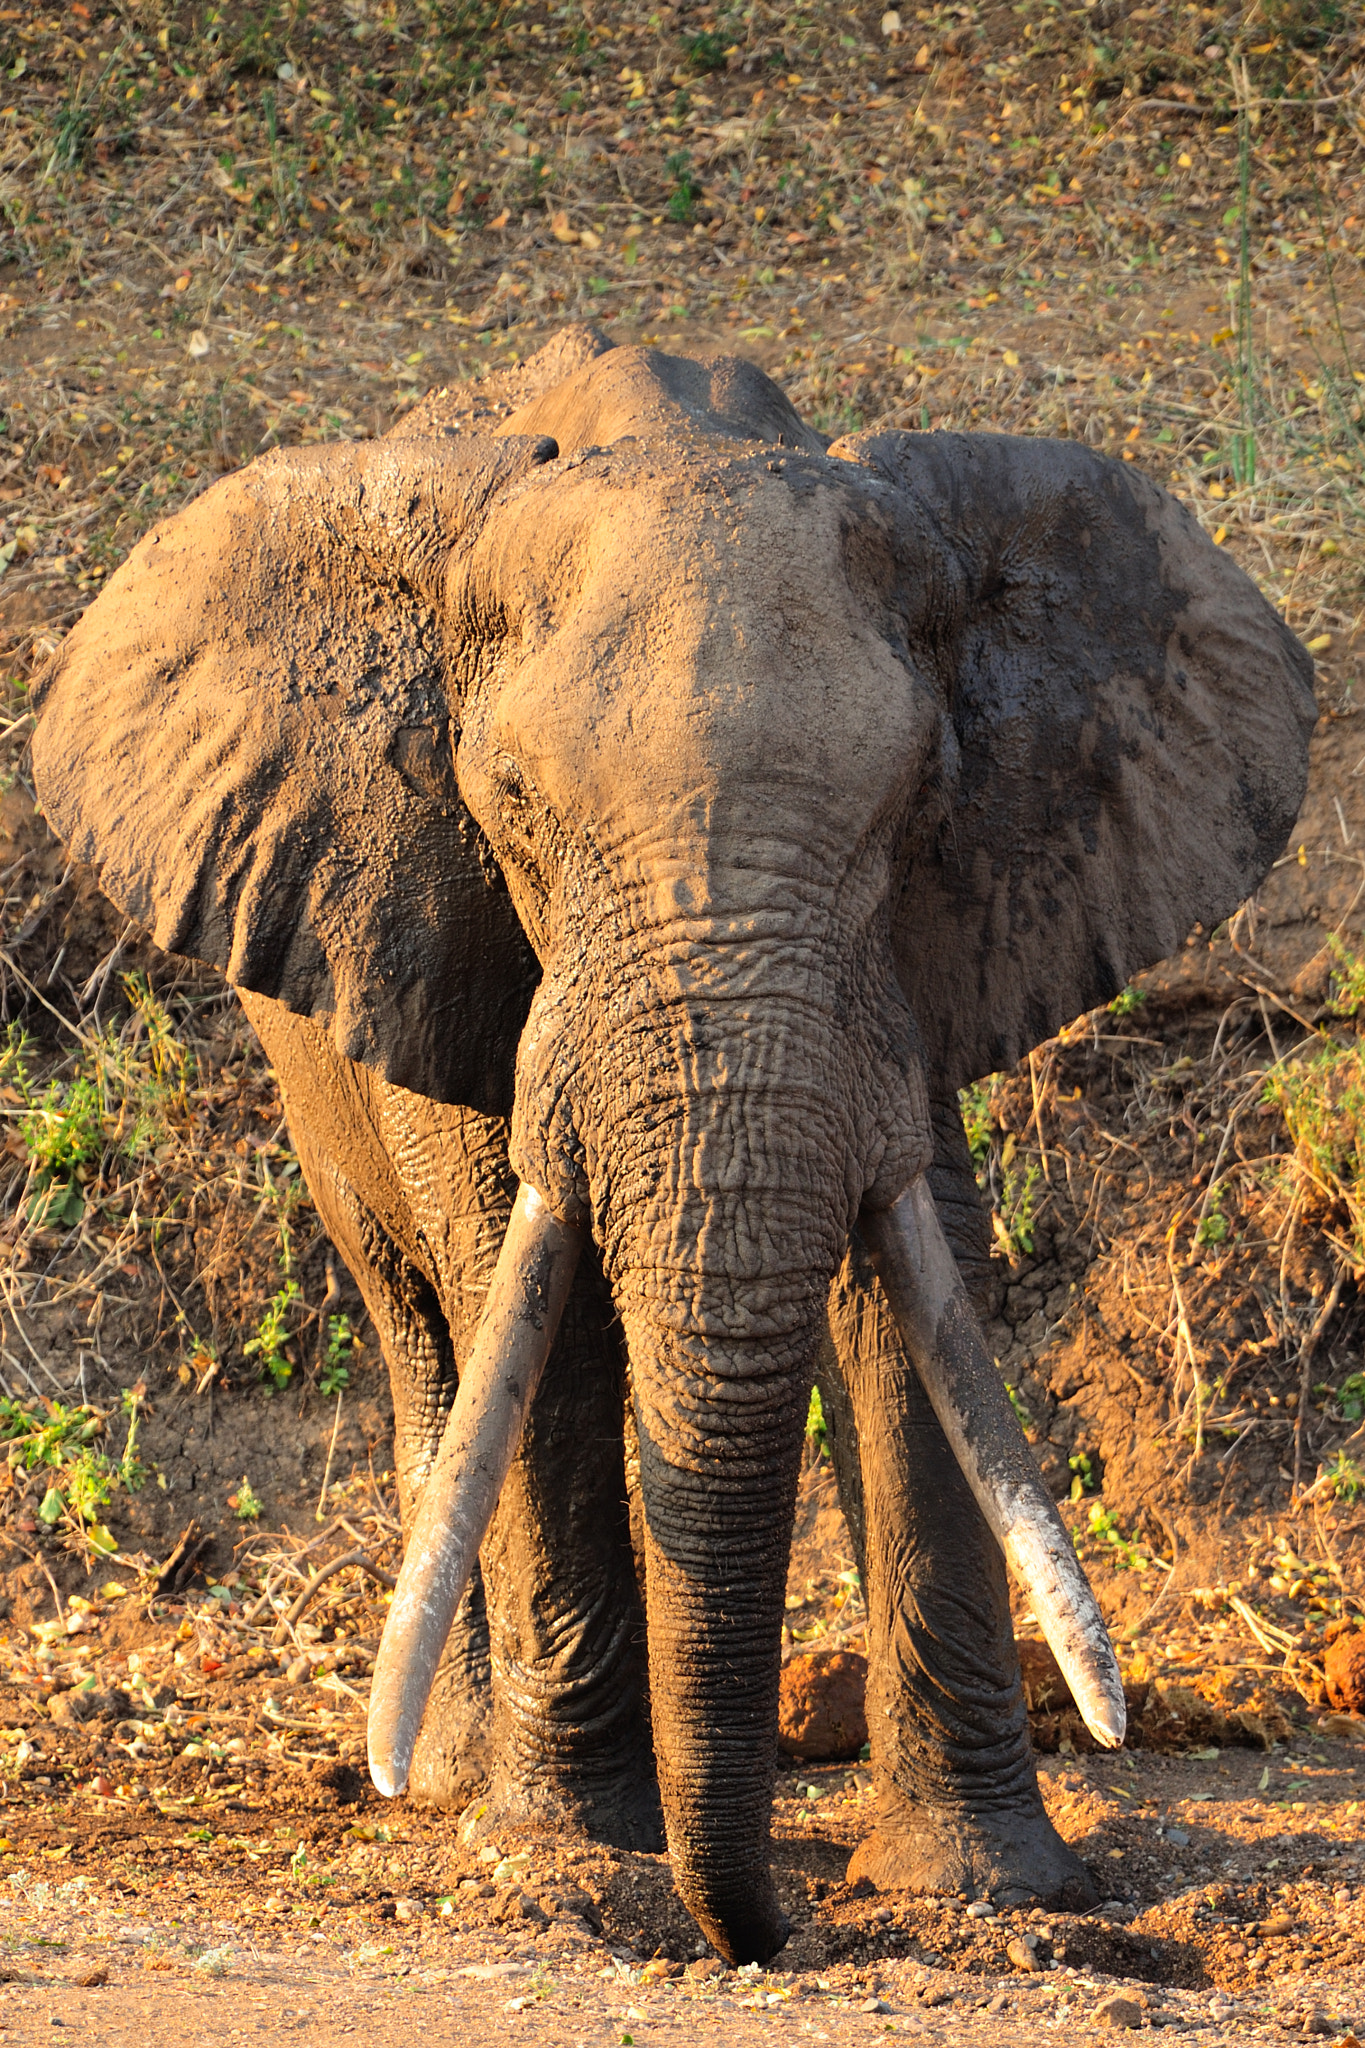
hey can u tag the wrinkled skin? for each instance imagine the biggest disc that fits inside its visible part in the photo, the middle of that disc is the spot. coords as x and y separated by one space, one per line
815 789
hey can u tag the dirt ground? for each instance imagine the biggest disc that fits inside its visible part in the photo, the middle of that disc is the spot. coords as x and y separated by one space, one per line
226 228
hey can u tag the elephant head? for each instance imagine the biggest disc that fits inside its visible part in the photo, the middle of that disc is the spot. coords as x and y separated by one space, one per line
695 792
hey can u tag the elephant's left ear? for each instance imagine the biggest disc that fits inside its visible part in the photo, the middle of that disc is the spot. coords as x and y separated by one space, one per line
248 738
1132 723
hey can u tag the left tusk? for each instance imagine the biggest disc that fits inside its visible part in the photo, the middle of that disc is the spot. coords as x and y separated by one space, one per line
526 1298
916 1266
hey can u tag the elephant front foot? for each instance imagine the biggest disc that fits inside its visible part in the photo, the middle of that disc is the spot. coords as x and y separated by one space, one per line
1015 1857
619 1808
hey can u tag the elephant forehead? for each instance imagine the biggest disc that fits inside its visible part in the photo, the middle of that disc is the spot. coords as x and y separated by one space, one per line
678 636
650 527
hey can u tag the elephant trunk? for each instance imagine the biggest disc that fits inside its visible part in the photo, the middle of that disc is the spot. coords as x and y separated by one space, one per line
719 1493
727 1213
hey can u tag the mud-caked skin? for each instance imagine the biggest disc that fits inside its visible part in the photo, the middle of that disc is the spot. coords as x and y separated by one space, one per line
607 784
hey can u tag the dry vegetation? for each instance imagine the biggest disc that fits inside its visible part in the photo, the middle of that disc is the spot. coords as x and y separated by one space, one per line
230 227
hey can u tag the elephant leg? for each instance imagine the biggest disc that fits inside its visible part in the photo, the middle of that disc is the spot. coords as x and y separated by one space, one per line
454 1750
553 1618
959 1808
572 1734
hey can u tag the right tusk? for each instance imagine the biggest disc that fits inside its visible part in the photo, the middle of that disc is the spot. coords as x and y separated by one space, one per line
916 1267
526 1298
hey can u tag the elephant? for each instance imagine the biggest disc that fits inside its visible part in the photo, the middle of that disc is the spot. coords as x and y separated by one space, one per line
629 818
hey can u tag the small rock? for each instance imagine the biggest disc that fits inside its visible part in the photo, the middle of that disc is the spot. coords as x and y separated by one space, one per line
706 1966
1178 1838
408 1909
92 1978
1344 1669
981 1909
519 1905
935 1994
658 1968
874 2005
1317 2022
999 2003
822 1707
1278 1923
1022 1956
1118 2012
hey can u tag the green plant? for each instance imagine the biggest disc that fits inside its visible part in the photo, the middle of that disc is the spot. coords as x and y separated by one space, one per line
1350 1397
1242 446
63 1135
1213 1228
707 51
1082 1475
1322 1100
1017 1404
244 1503
1344 1477
336 1372
62 1441
1128 1554
1348 978
682 201
815 1422
974 1103
272 1337
1127 1001
1016 1205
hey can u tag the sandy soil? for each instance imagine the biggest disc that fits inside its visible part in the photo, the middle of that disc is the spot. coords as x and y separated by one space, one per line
235 1911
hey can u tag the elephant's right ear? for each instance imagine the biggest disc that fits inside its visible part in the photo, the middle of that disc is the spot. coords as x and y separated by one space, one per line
248 738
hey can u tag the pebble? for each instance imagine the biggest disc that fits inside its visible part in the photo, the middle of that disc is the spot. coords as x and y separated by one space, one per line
706 1966
1022 1956
981 1909
1118 2012
874 2005
408 1909
1317 2022
1178 1838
